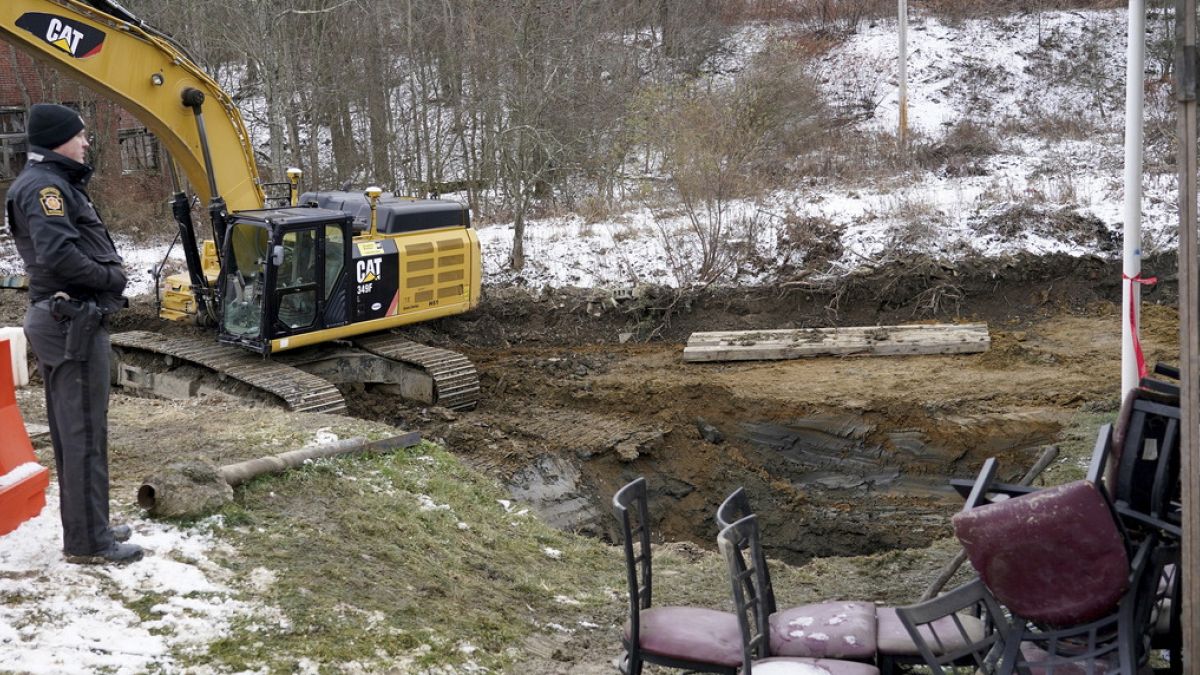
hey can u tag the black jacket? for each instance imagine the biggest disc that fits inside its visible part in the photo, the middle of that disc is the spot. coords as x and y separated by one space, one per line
58 233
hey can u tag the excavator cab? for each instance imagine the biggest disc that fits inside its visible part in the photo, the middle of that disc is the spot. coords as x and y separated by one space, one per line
283 274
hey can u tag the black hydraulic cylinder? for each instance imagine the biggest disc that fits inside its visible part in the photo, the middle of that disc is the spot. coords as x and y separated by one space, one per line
194 99
181 209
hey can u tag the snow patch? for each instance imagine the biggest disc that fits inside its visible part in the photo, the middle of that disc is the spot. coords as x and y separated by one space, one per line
426 503
61 618
19 473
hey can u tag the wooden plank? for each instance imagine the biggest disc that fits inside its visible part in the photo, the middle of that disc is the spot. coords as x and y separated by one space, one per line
759 345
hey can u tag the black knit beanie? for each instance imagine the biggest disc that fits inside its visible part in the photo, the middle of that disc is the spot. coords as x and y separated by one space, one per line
51 125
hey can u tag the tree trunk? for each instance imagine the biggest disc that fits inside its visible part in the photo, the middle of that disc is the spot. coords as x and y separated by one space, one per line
341 130
517 261
379 117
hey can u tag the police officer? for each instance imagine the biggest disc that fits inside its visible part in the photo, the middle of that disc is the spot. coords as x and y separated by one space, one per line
75 280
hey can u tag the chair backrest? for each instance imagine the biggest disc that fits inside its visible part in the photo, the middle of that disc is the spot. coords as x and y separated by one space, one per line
1101 465
631 507
1144 475
1055 556
965 626
744 560
735 507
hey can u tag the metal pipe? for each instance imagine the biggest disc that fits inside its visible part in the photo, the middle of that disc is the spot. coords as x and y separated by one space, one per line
1131 314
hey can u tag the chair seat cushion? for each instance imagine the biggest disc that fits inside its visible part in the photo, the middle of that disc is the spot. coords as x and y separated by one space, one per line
894 640
1054 556
691 633
783 665
836 630
1034 655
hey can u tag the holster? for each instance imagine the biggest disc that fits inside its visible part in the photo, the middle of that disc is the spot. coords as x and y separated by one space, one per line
85 318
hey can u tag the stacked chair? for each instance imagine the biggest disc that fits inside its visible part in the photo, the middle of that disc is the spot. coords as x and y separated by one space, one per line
861 630
689 638
1064 589
1077 579
705 640
765 634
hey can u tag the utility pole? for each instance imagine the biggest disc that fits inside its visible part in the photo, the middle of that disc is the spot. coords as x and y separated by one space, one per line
1189 341
902 27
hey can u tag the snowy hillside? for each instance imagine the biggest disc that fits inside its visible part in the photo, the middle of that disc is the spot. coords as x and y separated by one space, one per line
1037 193
1044 93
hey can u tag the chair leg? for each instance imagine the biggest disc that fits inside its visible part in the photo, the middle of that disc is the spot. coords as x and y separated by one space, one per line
626 666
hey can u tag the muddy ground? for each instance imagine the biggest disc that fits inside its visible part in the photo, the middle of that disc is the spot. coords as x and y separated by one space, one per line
584 390
850 455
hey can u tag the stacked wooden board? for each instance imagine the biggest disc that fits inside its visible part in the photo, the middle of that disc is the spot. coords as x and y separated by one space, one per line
753 345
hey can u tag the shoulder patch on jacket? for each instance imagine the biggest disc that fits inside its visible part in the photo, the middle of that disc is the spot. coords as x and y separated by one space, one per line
52 201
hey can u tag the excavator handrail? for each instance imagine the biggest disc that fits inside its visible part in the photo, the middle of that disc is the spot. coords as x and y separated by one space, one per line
147 74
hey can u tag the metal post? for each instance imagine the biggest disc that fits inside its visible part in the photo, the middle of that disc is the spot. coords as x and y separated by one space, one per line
1132 267
902 27
1189 304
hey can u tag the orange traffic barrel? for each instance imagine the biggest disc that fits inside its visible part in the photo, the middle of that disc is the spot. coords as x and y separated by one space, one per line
23 481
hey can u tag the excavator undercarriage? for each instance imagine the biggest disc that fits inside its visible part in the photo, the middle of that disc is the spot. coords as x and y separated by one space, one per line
305 381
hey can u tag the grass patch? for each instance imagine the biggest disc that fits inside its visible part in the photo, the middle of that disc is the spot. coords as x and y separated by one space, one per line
1076 442
405 558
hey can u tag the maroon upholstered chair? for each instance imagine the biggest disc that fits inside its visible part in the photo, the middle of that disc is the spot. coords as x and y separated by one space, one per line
838 630
742 549
964 627
857 631
690 638
1061 587
1055 556
896 647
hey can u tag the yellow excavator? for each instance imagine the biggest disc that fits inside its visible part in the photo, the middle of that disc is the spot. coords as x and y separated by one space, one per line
336 269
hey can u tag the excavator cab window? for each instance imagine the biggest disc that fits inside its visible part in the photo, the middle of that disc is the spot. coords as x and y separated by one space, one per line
284 274
243 281
309 288
296 281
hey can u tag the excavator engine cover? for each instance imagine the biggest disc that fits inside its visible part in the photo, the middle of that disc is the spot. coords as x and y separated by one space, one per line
395 214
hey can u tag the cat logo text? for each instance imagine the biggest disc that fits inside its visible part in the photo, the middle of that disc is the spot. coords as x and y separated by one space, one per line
70 37
368 271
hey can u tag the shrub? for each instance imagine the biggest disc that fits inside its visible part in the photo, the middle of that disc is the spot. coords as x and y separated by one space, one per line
133 204
960 151
808 241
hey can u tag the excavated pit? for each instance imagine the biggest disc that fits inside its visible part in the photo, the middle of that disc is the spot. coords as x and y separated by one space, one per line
840 455
830 482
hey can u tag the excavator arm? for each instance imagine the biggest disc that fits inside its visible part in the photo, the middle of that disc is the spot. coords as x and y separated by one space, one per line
106 47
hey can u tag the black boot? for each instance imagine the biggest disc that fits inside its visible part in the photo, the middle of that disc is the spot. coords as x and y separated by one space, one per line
117 554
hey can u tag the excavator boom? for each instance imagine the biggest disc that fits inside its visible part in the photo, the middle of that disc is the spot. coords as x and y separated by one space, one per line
147 75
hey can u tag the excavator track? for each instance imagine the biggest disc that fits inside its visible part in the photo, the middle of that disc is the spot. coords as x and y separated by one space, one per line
455 380
300 391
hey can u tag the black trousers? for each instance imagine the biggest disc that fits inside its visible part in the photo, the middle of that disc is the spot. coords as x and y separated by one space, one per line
77 408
